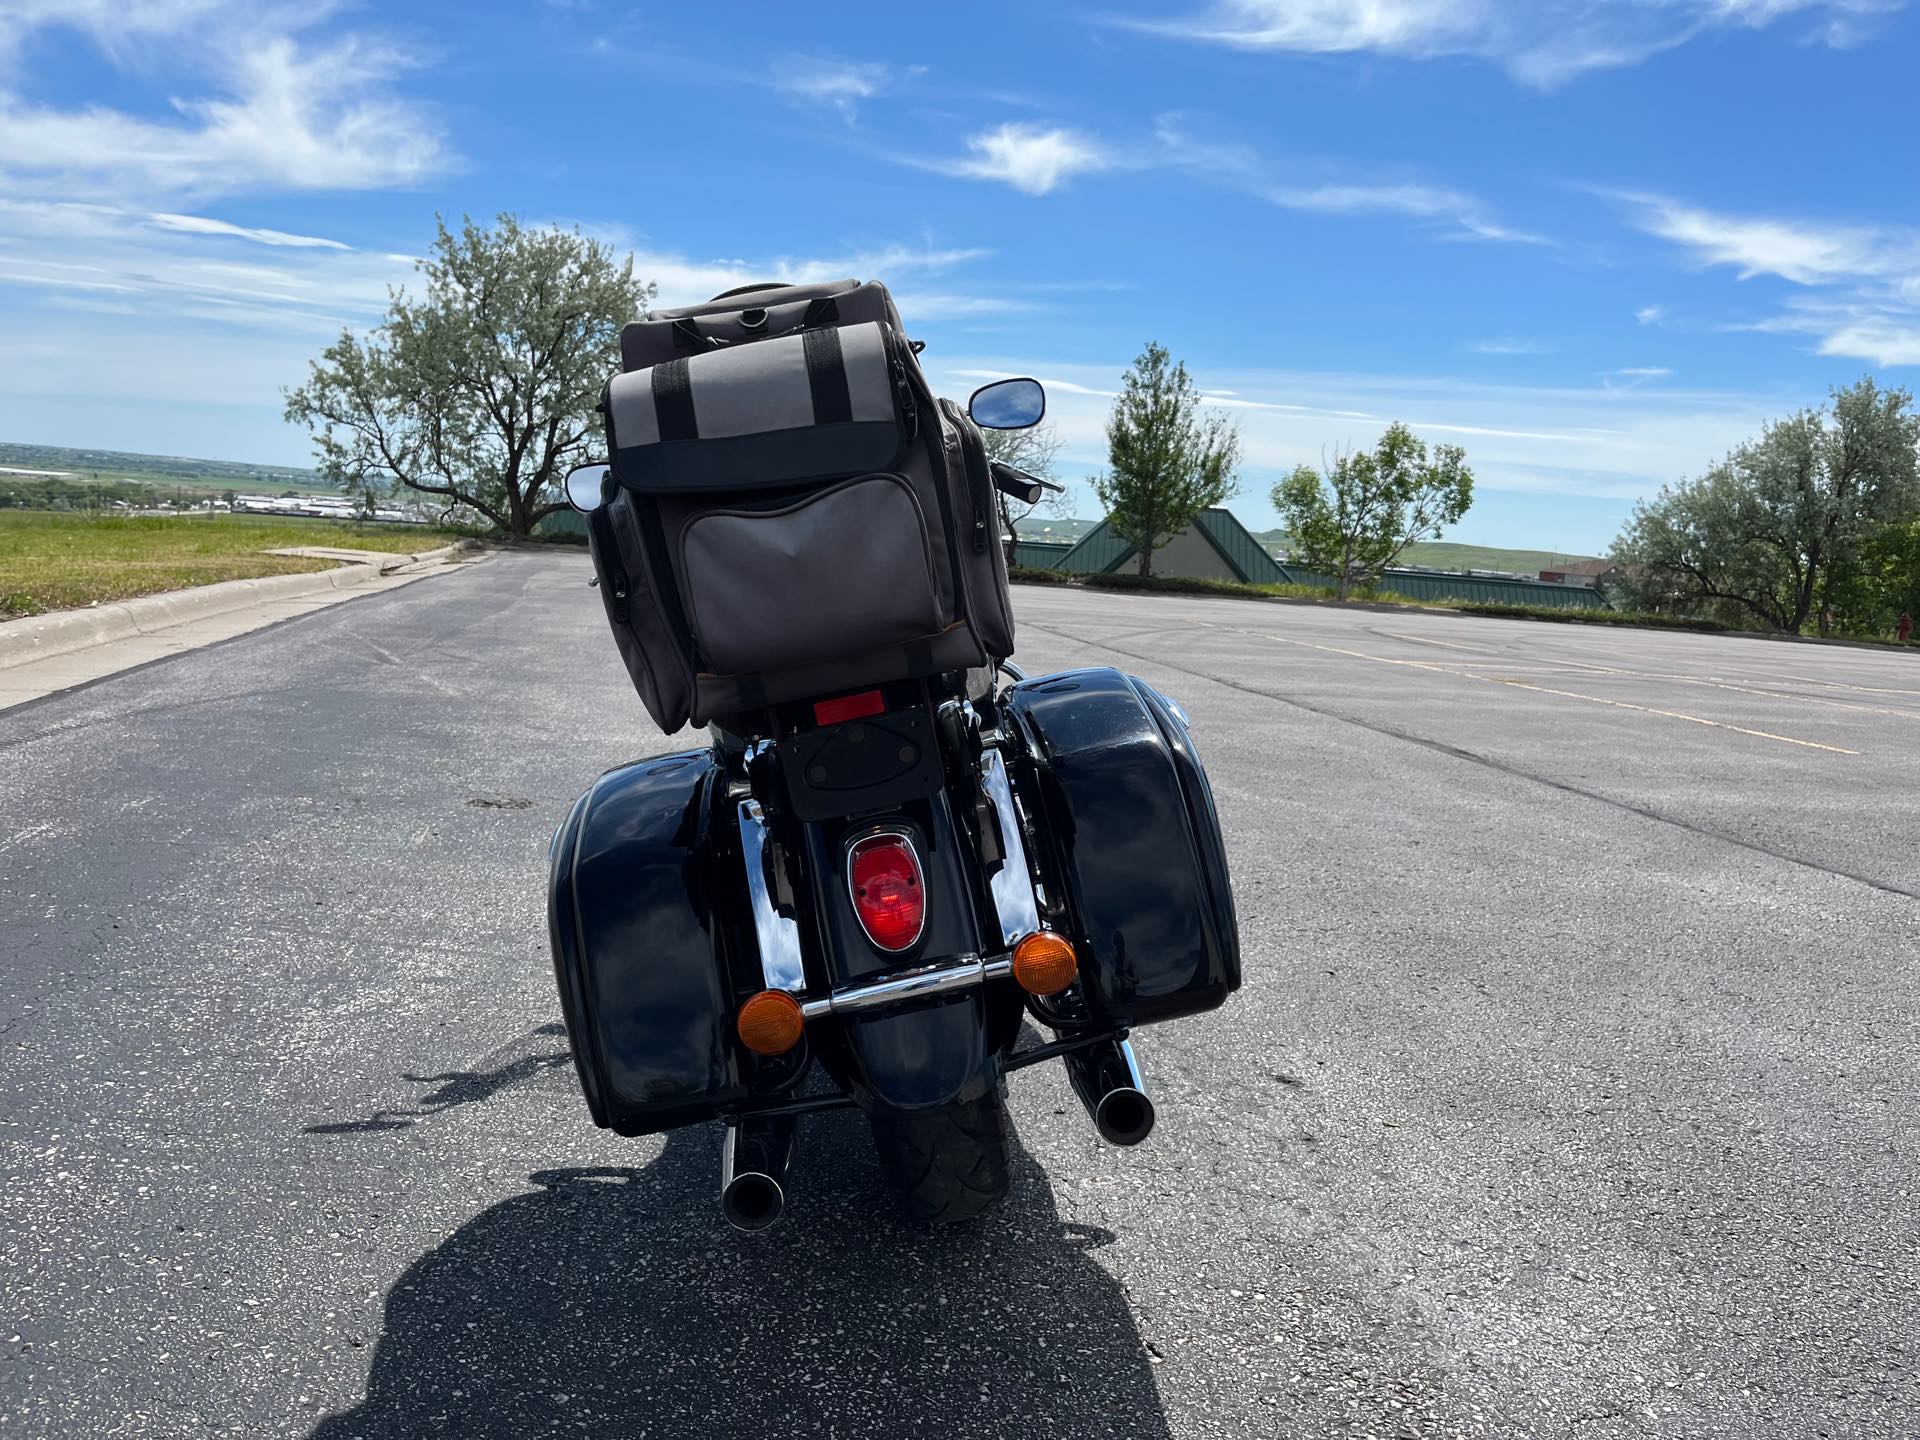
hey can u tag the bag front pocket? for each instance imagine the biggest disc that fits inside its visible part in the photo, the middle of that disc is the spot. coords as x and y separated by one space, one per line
844 571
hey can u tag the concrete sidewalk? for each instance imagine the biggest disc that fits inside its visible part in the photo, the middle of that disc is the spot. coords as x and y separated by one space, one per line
47 653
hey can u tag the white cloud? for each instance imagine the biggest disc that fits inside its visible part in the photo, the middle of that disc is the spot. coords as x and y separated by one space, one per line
832 82
1543 43
1510 345
1423 200
1864 279
1031 158
1462 213
1610 442
261 108
1865 326
1650 314
1805 252
206 225
1643 372
191 266
1452 214
683 280
1036 159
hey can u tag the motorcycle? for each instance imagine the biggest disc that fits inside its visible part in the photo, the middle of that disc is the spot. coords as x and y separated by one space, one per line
858 899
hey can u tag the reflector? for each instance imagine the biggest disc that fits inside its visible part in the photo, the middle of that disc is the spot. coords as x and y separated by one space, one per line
848 707
1044 963
770 1023
884 875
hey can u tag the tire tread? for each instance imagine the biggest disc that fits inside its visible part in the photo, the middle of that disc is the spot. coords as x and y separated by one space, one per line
948 1165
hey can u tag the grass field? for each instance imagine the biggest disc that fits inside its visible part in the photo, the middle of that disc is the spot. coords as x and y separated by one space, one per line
52 561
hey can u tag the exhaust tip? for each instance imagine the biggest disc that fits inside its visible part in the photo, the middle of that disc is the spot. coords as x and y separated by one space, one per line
752 1201
1124 1116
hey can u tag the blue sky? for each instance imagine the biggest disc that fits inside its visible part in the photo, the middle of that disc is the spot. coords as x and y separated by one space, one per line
1595 243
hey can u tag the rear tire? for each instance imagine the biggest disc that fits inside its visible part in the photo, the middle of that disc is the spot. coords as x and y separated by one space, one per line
945 1165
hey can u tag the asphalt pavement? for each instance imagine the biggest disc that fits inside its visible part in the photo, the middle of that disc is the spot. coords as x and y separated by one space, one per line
1567 1095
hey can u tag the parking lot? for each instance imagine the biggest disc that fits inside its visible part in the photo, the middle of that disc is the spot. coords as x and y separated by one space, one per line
1567 1095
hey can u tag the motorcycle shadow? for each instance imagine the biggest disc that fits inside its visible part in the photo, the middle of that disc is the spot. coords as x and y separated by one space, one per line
616 1302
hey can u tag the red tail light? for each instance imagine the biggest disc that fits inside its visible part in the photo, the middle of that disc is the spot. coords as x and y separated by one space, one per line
888 894
848 707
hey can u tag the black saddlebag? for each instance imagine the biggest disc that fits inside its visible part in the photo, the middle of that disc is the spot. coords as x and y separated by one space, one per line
1129 840
635 910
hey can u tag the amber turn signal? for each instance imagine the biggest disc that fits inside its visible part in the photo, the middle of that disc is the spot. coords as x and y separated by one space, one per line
1044 964
770 1023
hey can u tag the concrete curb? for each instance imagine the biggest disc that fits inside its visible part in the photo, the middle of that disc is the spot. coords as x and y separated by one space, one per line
41 637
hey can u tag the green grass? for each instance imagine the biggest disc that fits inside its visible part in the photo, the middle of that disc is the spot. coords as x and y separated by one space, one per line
56 561
1451 555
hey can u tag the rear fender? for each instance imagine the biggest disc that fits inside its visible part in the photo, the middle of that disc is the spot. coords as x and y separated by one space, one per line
929 1053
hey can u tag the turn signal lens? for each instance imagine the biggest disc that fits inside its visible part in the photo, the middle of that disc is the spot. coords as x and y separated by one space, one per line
1044 963
888 895
770 1023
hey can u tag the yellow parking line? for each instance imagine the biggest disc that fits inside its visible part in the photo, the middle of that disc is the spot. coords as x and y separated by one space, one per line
1669 714
1544 690
1843 685
1717 684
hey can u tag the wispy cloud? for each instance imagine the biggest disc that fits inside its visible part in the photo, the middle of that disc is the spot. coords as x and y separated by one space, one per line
1031 158
1805 252
1616 440
1650 314
1629 377
1542 43
262 106
1463 215
929 284
207 225
830 81
192 266
1510 345
1864 279
1037 159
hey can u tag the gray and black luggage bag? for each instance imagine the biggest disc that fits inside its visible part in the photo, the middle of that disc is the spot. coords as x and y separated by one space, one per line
792 512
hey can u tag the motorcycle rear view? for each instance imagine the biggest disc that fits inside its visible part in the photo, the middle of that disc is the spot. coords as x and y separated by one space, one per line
895 848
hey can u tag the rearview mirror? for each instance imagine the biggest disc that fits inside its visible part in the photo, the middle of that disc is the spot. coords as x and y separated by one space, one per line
1008 404
586 486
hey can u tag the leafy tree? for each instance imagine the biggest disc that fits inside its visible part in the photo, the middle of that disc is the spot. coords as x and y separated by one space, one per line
483 390
1166 463
1881 583
1778 532
1371 504
1032 450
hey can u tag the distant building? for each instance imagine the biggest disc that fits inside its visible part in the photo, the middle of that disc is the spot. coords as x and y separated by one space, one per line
1215 547
1590 573
1218 547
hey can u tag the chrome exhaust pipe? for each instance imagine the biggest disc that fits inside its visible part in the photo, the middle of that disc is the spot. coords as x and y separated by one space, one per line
753 1170
1106 1077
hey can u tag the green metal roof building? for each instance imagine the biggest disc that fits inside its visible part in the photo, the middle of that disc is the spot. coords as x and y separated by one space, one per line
1216 547
1219 547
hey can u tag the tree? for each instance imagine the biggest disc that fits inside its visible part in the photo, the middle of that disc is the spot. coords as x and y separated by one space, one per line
483 391
1032 450
1778 531
1371 504
1166 463
1875 587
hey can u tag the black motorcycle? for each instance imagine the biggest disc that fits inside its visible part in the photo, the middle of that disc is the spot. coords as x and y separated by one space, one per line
857 895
